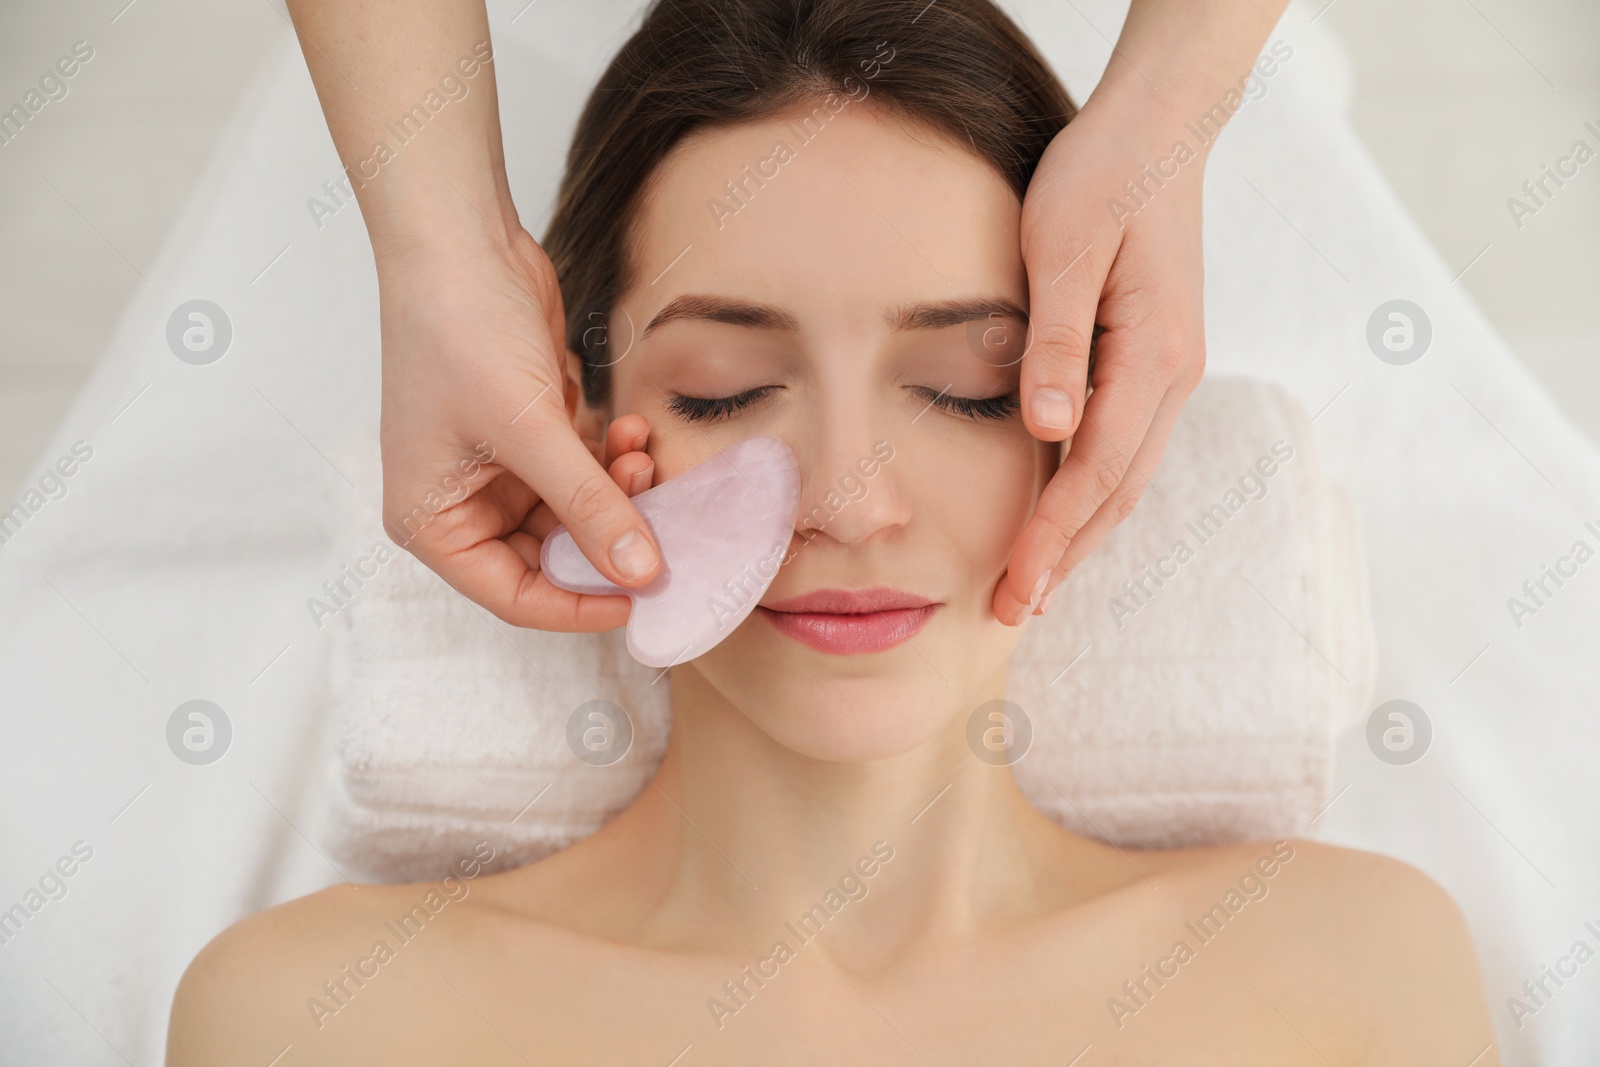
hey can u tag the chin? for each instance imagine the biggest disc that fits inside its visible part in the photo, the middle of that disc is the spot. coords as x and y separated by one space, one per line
858 708
853 720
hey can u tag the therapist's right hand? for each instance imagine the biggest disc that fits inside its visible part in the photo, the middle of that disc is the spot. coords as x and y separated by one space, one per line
474 365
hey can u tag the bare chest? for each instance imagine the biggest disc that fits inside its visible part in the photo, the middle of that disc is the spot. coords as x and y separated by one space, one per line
1081 1002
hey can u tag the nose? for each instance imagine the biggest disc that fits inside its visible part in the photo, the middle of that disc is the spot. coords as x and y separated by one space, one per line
851 489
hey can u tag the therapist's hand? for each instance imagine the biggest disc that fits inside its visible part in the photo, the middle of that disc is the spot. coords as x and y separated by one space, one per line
474 349
1138 275
473 364
1135 272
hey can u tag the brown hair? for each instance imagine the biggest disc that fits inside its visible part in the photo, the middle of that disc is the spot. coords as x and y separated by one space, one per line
961 67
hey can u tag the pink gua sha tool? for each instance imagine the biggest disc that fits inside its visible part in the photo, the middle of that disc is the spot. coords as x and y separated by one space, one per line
723 527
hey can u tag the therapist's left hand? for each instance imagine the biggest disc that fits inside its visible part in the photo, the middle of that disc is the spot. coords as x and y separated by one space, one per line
1138 275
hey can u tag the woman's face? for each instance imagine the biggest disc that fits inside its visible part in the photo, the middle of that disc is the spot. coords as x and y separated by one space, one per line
864 299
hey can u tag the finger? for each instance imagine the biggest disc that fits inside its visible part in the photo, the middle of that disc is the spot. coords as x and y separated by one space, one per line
1066 278
633 472
1139 478
1114 426
540 523
541 447
1122 502
499 503
627 433
464 544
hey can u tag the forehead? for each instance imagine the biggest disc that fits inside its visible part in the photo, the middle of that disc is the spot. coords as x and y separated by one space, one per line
834 215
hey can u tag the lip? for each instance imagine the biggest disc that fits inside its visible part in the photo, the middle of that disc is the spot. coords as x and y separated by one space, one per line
850 622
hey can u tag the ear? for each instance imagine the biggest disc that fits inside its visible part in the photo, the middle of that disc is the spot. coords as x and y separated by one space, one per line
590 423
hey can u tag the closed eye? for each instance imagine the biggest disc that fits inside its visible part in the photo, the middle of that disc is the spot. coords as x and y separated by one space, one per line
973 407
711 408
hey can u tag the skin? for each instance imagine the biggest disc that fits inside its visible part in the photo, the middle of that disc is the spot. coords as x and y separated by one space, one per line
472 315
984 932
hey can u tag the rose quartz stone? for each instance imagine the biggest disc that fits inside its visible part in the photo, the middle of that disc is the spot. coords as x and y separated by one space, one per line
723 527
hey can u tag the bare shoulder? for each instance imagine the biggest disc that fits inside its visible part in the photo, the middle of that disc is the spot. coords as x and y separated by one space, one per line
306 974
1379 909
1367 936
279 978
243 994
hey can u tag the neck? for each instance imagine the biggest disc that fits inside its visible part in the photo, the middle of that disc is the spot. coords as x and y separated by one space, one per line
740 836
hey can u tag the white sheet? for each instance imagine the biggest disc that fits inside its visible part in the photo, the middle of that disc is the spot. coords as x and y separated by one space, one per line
178 565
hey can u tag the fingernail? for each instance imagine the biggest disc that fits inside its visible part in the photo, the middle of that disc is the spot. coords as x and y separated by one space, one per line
639 482
632 555
1044 605
1038 591
1052 408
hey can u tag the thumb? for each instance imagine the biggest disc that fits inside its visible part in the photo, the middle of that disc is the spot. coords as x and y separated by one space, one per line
552 458
1063 298
543 449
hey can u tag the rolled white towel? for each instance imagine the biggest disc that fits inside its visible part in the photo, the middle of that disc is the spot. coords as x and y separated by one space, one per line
1191 677
1199 703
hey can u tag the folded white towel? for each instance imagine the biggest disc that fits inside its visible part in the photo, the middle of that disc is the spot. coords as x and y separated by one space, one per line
1200 709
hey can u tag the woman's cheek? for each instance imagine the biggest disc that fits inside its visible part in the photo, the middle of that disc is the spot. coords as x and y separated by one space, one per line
983 488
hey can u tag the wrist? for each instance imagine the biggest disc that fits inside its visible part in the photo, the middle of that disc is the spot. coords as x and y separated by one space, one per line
1143 118
1177 61
411 208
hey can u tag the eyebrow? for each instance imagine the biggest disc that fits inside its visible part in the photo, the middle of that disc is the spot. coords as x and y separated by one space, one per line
926 315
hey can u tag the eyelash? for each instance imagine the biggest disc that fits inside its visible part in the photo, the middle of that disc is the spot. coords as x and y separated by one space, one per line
710 409
975 407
